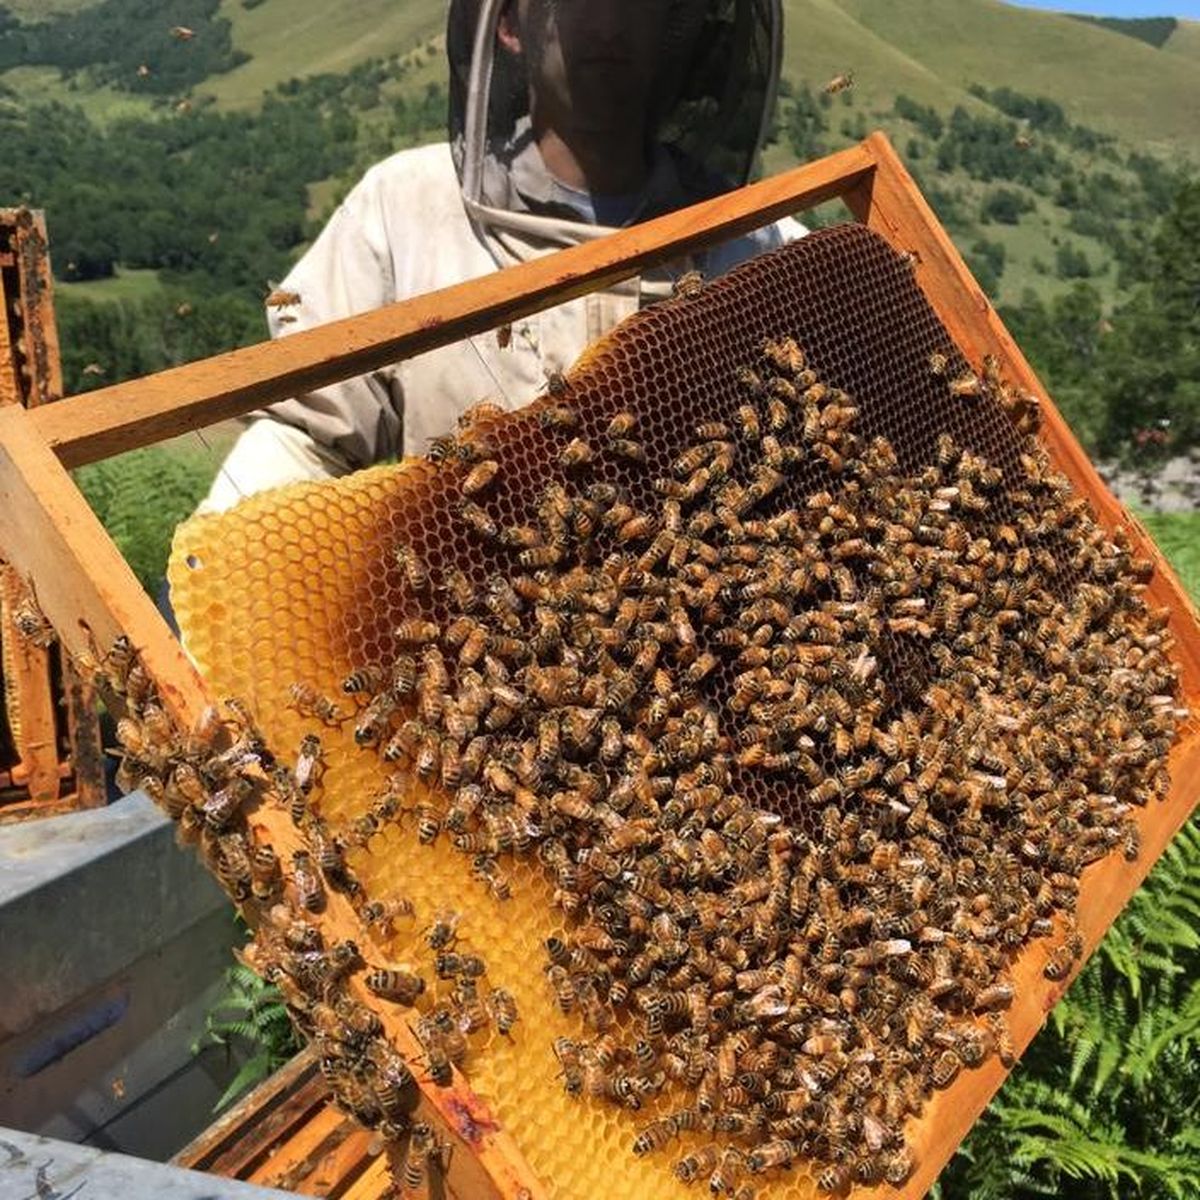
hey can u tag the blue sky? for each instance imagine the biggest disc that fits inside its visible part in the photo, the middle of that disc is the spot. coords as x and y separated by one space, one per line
1120 8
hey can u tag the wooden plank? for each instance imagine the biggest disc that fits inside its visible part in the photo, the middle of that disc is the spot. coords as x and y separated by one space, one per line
293 1161
83 585
250 1116
265 1134
334 1171
890 202
37 306
373 1183
38 767
10 391
86 428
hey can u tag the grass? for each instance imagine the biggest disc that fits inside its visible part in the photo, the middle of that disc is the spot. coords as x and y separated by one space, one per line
45 85
287 38
1102 78
1178 537
126 284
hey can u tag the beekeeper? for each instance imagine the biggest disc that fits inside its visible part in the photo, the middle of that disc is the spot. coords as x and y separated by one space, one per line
568 118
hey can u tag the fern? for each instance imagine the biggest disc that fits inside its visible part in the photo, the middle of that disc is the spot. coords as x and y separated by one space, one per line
141 496
250 1011
1106 1103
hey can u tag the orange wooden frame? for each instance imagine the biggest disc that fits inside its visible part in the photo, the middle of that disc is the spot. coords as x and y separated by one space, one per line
89 592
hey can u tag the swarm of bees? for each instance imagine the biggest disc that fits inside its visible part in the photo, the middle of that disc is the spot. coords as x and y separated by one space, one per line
812 741
956 733
209 781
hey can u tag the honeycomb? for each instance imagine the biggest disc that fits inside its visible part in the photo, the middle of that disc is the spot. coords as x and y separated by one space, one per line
304 586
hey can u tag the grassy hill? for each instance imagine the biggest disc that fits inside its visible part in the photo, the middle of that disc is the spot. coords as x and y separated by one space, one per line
933 52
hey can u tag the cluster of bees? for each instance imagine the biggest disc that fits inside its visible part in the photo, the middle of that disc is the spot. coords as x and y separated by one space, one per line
806 776
209 781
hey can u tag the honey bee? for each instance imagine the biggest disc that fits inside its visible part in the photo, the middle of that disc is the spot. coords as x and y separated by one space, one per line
938 363
484 868
577 453
364 681
479 521
402 985
31 623
423 1149
480 477
379 915
416 573
945 1069
310 891
628 449
265 873
503 1009
622 424
307 701
697 1164
966 384
558 416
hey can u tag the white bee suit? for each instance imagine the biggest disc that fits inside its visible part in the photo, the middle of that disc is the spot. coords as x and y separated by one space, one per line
407 228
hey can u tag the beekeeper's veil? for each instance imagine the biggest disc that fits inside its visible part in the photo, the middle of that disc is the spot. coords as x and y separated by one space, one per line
715 97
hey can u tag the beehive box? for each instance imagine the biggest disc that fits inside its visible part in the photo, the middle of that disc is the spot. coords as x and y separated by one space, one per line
329 565
50 757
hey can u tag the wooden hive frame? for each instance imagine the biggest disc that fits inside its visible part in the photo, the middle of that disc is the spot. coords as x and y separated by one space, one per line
44 705
89 593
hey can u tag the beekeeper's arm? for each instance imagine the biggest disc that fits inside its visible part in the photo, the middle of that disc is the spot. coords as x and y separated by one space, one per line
332 430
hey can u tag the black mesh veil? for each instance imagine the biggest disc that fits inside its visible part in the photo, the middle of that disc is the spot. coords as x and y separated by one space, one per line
717 89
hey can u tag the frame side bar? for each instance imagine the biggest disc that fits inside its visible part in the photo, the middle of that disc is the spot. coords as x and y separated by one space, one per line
91 596
102 423
890 202
83 585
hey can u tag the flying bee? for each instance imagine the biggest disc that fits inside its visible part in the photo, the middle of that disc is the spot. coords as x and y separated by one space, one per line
402 985
480 476
416 573
307 701
310 891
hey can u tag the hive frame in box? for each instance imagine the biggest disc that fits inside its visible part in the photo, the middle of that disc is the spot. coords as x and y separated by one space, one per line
52 707
91 596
